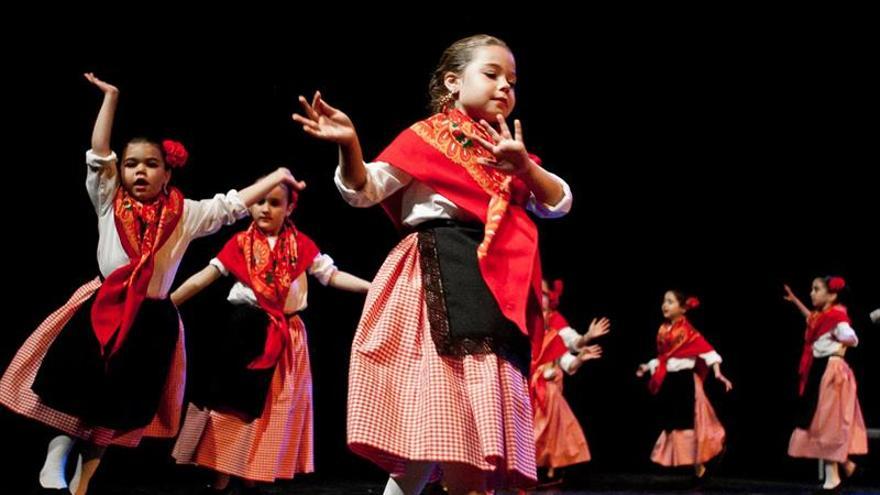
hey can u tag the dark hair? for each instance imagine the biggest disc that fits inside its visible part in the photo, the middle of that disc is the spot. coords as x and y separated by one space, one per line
684 300
292 194
146 140
835 285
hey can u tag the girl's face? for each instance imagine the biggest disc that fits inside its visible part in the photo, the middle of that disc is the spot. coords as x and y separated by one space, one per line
270 212
671 308
820 296
143 169
486 86
545 295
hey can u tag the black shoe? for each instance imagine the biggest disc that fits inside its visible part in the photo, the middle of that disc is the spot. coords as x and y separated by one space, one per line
551 482
51 491
836 489
435 488
718 459
856 473
696 482
210 490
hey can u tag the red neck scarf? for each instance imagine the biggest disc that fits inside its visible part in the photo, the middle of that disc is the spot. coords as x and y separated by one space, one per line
143 230
678 340
439 153
551 349
818 324
269 272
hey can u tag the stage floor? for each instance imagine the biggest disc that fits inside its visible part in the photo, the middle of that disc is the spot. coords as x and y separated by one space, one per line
600 484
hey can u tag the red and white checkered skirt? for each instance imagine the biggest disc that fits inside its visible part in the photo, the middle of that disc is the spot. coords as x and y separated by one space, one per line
407 403
276 445
16 393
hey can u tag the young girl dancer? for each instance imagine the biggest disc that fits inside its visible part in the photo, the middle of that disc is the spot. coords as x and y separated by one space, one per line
108 367
829 422
692 434
440 360
559 439
256 419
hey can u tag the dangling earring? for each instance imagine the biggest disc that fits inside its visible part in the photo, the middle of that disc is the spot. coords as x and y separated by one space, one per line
165 188
446 100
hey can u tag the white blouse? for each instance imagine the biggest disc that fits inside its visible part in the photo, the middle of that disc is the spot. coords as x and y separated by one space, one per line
829 345
322 268
681 364
568 361
420 203
200 218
